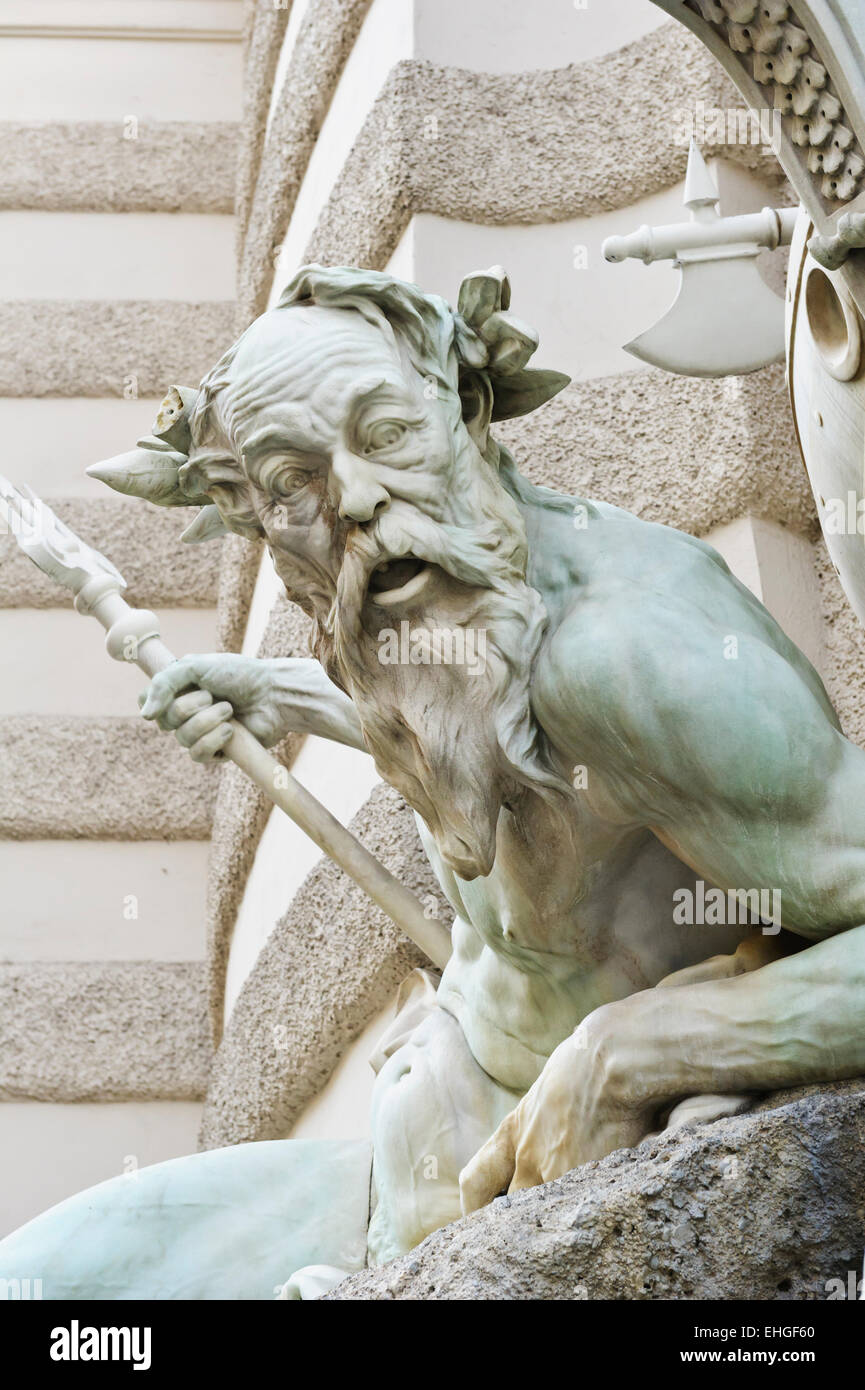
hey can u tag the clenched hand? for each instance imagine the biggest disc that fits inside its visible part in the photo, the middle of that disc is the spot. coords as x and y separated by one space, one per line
577 1110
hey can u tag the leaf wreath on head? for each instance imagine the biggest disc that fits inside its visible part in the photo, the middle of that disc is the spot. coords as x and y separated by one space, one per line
486 338
490 339
159 468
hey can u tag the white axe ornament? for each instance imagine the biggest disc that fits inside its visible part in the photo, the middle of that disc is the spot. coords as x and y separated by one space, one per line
725 319
133 636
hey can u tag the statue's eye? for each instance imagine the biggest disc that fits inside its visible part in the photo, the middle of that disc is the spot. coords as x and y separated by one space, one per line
384 435
281 479
289 481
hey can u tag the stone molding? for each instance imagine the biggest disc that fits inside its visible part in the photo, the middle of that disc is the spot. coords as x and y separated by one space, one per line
103 778
94 347
527 147
141 539
181 21
91 166
264 31
332 962
324 41
685 451
103 1031
480 147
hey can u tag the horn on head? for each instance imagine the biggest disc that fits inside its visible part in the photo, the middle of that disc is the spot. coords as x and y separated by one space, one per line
149 471
206 526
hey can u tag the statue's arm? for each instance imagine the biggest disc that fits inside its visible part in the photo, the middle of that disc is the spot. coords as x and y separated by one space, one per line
793 1022
306 701
197 695
740 767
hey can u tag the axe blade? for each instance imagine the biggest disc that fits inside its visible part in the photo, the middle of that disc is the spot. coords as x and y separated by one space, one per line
724 321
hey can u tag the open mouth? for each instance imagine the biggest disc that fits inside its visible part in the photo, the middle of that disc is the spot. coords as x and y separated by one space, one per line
396 580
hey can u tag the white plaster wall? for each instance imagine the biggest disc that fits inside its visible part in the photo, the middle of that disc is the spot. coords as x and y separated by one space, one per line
385 38
55 662
342 779
190 18
128 255
341 1110
52 1151
110 79
69 900
49 441
549 34
584 308
402 259
296 16
778 566
481 35
489 37
268 587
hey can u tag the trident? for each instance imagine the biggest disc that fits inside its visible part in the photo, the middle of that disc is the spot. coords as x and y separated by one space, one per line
133 635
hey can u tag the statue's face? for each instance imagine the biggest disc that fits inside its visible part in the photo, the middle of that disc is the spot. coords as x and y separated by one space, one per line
334 428
381 512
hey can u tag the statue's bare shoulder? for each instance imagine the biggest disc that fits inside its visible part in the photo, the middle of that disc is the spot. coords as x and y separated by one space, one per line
642 676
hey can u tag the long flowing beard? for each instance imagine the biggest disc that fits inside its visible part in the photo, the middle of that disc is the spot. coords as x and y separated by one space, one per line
458 741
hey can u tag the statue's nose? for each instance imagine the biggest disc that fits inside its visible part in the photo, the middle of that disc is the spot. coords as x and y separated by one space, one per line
361 495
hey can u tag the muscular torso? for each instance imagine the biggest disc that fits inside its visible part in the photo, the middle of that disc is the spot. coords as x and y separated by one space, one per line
544 940
690 773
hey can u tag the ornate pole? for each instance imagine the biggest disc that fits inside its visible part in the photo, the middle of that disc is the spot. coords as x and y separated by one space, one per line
133 635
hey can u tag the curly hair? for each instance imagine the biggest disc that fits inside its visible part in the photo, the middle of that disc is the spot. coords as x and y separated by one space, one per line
449 348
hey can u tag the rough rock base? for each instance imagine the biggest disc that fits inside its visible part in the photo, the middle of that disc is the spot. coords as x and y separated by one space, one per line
767 1205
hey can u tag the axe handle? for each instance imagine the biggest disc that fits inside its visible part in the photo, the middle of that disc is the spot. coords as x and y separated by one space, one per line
133 635
769 228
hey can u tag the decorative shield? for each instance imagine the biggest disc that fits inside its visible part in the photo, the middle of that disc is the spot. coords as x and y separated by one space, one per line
805 64
825 373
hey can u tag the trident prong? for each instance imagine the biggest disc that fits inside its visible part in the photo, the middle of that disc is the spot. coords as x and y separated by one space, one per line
49 542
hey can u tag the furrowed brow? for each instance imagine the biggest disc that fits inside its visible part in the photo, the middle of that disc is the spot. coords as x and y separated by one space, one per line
216 465
273 438
393 393
369 390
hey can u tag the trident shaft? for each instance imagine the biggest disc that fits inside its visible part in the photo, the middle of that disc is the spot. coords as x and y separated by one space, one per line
133 635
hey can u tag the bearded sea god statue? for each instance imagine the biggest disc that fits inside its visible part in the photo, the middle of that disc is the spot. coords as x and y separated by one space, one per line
634 726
